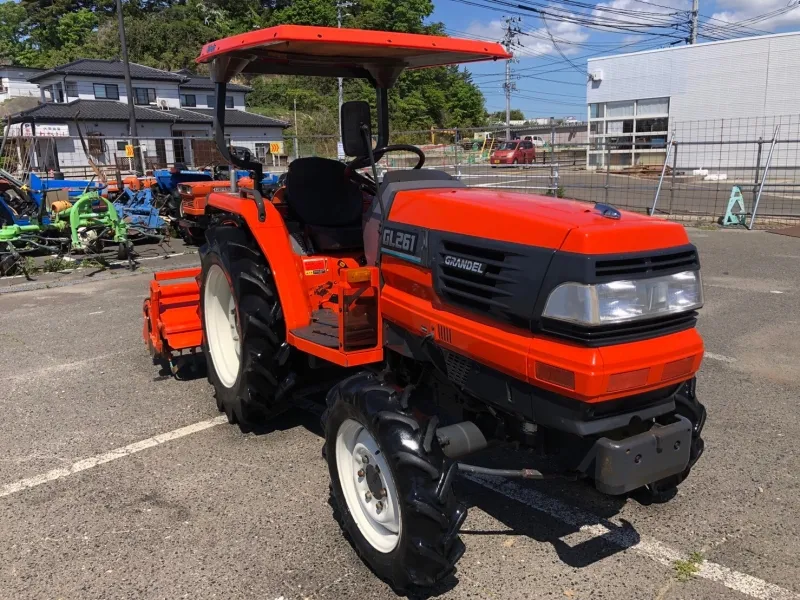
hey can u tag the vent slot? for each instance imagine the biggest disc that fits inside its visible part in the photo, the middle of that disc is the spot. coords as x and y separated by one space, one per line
458 368
673 262
475 290
445 334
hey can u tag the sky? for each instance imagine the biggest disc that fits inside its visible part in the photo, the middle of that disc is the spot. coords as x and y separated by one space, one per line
550 68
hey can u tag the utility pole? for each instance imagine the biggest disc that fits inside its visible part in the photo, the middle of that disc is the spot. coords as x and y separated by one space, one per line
693 24
126 69
512 30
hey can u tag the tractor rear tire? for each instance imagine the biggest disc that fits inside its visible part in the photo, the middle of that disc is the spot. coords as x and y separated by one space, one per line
243 329
412 539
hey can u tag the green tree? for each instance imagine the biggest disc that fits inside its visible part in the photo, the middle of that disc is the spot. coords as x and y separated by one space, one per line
12 31
500 115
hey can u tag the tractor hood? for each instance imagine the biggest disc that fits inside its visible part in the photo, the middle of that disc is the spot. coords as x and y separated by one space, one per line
532 220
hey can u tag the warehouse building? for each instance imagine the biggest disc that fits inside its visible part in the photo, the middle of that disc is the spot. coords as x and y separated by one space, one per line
709 95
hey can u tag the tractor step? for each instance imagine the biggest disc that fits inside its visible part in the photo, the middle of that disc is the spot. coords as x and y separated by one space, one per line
348 334
323 330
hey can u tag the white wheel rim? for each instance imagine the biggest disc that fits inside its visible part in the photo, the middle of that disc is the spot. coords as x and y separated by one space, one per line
378 519
181 214
222 330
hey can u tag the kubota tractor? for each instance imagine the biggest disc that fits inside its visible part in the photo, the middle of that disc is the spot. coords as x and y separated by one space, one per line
193 219
439 320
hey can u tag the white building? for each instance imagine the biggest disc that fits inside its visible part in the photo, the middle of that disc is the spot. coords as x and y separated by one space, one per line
734 87
173 117
14 82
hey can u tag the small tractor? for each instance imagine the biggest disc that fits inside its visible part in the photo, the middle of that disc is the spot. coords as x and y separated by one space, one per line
193 219
437 318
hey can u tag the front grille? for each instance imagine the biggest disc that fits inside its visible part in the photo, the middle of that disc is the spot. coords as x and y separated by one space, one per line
647 266
619 333
188 203
476 291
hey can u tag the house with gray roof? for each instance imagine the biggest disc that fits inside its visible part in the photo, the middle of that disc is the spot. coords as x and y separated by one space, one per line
173 115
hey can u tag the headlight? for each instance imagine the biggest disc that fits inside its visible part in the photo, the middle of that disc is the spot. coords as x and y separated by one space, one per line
626 300
184 189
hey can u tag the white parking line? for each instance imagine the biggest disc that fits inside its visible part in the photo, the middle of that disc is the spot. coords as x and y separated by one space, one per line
499 184
627 538
100 459
719 357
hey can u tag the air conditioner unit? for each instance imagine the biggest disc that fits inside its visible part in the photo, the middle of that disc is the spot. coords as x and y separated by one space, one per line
162 103
596 75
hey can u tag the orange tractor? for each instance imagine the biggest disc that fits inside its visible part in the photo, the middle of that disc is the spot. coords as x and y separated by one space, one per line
193 220
439 319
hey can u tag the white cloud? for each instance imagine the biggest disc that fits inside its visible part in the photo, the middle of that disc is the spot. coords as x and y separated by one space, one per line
535 42
737 10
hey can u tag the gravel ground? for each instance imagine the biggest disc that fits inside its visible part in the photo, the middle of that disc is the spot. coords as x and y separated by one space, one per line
208 512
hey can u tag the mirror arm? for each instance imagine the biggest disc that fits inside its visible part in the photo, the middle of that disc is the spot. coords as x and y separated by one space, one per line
368 142
220 89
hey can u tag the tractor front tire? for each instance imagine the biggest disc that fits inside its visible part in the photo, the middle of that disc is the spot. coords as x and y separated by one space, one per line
243 329
391 485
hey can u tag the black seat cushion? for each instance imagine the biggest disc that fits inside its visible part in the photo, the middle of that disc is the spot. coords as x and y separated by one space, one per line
319 194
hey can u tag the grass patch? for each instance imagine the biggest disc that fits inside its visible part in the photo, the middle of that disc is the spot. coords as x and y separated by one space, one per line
686 569
56 264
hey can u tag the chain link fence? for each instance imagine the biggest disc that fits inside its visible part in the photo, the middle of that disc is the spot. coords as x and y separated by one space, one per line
690 172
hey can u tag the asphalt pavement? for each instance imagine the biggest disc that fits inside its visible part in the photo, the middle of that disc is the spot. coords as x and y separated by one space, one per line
120 481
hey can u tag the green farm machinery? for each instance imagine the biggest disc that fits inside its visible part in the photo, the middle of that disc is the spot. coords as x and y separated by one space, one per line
84 227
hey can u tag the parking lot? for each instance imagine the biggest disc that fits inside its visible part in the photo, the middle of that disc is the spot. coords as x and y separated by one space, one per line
120 481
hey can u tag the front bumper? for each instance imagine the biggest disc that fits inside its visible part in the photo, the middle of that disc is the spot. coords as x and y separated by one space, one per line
620 466
661 457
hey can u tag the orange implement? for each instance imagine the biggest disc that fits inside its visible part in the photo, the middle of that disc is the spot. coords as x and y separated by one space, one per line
171 318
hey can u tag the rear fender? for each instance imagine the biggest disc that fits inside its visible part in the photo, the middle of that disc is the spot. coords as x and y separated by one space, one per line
274 241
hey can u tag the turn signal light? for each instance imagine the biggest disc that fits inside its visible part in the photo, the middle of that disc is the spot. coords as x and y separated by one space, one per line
628 380
555 375
677 368
358 275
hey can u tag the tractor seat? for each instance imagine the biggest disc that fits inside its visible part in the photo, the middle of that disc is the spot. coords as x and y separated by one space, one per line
326 202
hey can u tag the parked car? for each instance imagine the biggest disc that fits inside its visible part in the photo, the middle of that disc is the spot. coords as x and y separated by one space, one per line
514 152
538 142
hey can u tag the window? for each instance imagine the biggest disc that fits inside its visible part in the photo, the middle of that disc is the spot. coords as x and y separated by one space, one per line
211 101
53 93
106 91
652 106
619 109
97 146
144 95
72 89
597 111
189 100
121 146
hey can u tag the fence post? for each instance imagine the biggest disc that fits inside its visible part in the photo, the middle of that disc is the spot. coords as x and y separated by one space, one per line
672 178
608 168
763 179
758 168
670 143
457 146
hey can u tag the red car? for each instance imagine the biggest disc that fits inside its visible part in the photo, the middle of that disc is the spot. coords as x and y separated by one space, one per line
515 152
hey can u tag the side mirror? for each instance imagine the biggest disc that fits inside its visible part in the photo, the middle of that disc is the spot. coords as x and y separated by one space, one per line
354 116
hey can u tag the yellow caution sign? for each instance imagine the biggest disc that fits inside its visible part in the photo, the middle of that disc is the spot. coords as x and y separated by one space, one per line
276 148
129 151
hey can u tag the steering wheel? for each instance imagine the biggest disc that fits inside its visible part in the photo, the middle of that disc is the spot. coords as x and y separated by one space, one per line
378 153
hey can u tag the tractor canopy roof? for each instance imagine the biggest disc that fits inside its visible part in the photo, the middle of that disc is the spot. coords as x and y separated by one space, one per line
379 56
